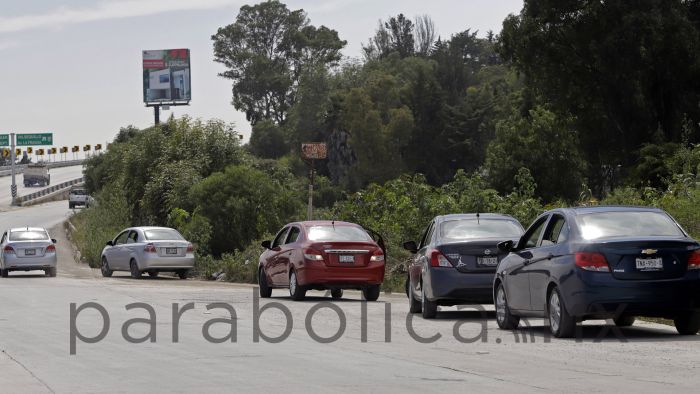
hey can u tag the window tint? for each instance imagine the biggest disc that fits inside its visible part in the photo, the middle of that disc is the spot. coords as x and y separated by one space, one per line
293 235
627 224
280 237
121 239
424 240
453 230
28 236
533 235
338 233
555 230
133 237
162 234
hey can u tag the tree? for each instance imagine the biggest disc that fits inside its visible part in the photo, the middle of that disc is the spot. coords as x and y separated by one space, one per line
395 35
267 140
266 51
425 35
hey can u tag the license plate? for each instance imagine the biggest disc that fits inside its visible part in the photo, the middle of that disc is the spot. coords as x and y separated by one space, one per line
170 250
487 261
347 259
656 264
30 252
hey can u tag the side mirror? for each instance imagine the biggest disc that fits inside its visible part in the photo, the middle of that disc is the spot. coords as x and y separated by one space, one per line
410 246
110 243
266 244
506 246
53 240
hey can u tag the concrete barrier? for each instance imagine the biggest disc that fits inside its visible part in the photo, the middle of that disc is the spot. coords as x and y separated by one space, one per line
53 193
7 171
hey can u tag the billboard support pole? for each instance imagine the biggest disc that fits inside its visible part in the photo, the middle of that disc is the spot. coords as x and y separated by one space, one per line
156 114
13 158
311 192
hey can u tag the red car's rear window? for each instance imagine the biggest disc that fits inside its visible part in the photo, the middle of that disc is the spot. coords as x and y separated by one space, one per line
338 233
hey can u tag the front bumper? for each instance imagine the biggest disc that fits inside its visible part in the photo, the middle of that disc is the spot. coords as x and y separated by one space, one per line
447 285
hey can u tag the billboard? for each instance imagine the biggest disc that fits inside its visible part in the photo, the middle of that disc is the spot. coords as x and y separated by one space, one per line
166 76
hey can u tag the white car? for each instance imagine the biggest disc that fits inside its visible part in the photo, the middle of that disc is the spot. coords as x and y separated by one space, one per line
27 249
148 249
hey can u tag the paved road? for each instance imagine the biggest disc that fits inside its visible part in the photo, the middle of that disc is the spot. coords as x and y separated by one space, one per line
58 175
35 345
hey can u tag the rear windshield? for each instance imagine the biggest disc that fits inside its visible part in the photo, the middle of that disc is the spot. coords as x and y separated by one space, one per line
461 229
338 233
627 224
28 236
78 192
162 235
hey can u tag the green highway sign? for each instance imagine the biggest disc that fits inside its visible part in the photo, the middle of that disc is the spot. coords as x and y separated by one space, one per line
4 140
34 139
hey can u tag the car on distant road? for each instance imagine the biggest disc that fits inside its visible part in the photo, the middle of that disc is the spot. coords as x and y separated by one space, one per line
322 255
455 261
587 263
78 196
27 249
36 175
148 249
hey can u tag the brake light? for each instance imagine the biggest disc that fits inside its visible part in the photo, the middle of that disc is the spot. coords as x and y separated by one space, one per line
51 249
190 248
150 248
595 262
437 259
313 255
378 255
9 250
694 260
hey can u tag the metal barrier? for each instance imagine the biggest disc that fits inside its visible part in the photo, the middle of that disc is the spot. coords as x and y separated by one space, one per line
7 171
49 190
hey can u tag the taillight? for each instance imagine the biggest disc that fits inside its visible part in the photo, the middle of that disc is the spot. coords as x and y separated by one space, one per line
694 260
595 262
378 255
190 248
150 248
437 259
313 255
51 249
9 250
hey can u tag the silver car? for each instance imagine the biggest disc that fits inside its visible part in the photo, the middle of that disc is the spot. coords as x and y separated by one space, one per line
27 249
148 249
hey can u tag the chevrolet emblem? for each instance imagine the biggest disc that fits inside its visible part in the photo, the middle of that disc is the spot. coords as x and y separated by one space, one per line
649 251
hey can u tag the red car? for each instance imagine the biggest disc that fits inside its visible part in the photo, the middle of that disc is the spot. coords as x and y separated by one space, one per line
322 255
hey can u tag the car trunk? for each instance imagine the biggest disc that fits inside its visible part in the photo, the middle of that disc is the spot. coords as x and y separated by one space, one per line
648 260
30 249
480 256
171 248
346 254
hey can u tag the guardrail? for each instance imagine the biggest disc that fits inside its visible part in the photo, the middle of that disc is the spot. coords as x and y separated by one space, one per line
21 200
7 171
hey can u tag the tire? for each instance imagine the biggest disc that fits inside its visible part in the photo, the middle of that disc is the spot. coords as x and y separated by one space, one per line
561 324
371 293
51 272
183 274
688 323
153 274
429 308
71 206
264 289
296 291
4 273
414 306
505 319
134 270
336 294
624 321
106 272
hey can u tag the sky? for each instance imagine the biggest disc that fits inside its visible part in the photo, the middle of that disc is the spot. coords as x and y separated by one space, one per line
74 67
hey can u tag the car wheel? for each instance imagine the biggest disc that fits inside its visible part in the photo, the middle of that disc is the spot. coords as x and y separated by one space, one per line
624 321
296 291
414 306
337 294
134 269
51 272
4 273
505 319
106 272
371 293
688 323
263 288
429 308
183 274
70 206
561 324
153 274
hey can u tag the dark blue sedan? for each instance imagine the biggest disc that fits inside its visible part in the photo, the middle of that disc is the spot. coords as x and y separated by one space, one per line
615 263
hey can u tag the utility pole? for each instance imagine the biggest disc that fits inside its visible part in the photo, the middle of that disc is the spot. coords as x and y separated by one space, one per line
310 211
156 113
13 158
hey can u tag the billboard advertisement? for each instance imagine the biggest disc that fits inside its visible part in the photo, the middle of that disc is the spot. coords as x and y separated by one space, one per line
166 76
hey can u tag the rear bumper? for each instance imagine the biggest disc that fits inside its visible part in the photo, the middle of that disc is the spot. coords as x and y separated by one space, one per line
449 286
15 263
318 274
599 295
167 263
